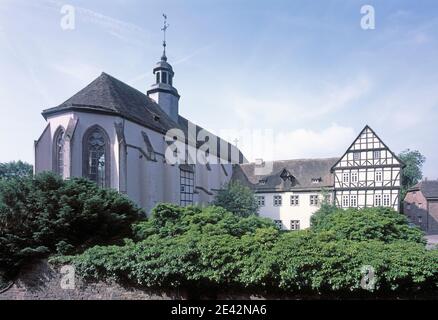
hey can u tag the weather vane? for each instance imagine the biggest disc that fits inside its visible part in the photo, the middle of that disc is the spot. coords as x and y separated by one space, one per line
164 29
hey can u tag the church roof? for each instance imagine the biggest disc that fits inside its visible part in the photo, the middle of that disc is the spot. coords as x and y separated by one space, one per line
293 175
108 95
429 188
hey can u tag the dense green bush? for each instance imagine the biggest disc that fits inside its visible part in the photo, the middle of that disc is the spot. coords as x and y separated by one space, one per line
45 214
238 199
211 249
384 224
15 169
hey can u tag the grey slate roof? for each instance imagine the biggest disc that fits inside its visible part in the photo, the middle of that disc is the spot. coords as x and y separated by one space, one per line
106 94
109 95
301 172
428 188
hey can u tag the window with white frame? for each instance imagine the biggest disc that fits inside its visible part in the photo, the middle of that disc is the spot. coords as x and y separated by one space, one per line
295 200
295 225
328 198
379 176
279 224
346 177
314 200
345 201
353 201
386 200
261 201
377 154
354 177
378 200
278 200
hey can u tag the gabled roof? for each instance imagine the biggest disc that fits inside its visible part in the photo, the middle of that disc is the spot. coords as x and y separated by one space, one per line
108 95
428 188
302 172
354 141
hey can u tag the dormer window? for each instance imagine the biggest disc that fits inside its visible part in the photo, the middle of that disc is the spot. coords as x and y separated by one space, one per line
316 180
286 175
262 182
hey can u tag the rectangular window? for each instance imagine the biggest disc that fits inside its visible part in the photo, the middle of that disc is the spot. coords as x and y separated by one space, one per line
378 200
354 177
295 225
278 200
353 201
345 201
379 176
314 200
386 200
187 186
328 198
356 156
377 155
279 224
295 200
420 219
346 177
261 201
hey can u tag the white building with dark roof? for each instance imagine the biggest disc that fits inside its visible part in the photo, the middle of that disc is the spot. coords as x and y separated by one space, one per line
118 137
367 175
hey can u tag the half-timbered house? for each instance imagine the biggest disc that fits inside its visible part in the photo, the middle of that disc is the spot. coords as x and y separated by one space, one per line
367 175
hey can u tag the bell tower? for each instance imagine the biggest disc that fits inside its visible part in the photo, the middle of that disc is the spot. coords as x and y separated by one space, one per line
162 91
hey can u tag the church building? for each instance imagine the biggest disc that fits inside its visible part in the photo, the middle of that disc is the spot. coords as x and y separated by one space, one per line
119 137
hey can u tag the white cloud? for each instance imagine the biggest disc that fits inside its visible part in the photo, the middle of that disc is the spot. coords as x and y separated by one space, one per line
300 143
304 143
296 105
78 70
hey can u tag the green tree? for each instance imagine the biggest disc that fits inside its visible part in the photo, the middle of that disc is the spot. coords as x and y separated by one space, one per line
45 214
412 173
210 249
15 169
238 199
382 224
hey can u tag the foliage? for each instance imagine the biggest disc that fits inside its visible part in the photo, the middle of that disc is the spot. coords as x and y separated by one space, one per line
15 169
238 199
412 173
383 224
320 216
213 249
45 214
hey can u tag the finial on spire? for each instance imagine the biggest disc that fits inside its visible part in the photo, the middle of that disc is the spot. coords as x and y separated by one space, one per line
164 29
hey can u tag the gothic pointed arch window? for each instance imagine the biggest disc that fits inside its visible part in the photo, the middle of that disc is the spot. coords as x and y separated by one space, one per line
96 156
58 151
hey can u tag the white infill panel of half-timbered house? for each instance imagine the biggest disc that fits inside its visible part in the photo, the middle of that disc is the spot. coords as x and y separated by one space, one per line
368 175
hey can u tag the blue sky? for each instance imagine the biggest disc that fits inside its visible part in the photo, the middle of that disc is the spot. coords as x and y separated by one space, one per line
304 70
